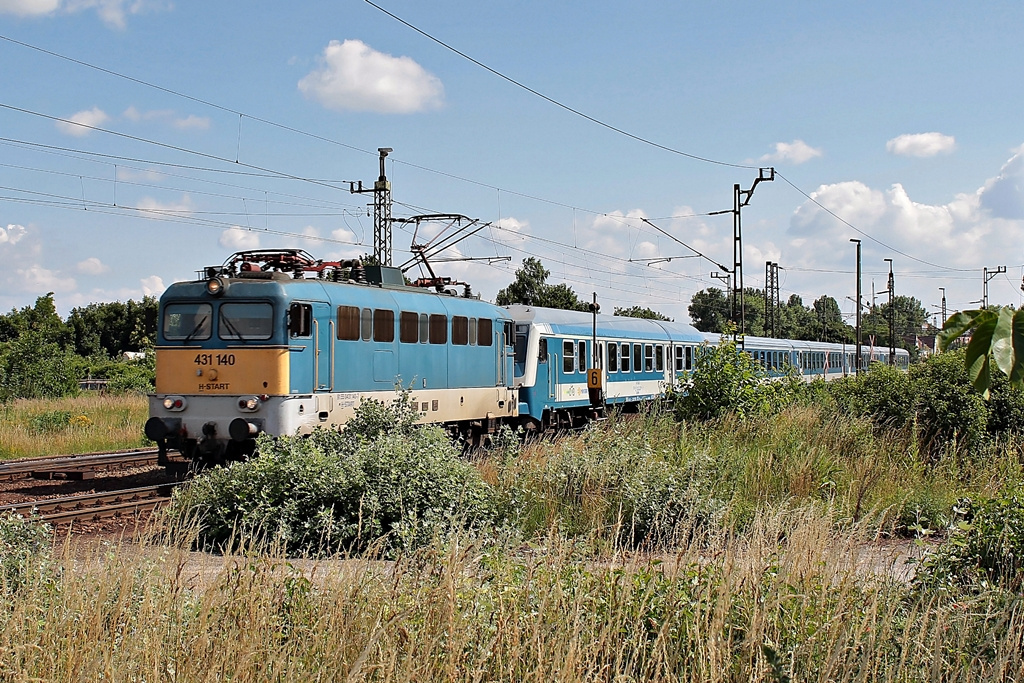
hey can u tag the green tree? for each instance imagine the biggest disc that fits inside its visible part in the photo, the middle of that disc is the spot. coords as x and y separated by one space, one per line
641 312
112 328
831 327
909 316
530 288
709 310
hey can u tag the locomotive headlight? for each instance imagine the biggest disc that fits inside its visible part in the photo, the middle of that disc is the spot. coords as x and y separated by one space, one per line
175 403
249 404
215 286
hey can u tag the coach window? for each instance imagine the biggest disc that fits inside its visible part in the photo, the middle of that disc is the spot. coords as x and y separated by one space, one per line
484 334
472 331
659 358
366 323
408 327
424 328
613 357
383 325
624 358
246 321
582 356
638 357
188 321
568 357
460 330
348 322
438 329
300 320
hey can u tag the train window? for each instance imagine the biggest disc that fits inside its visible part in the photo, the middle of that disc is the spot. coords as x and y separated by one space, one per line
348 322
485 332
509 331
613 357
383 325
638 357
460 330
542 351
188 321
366 323
408 327
659 358
246 321
300 320
424 328
521 343
624 358
438 329
568 356
689 358
582 356
648 358
472 331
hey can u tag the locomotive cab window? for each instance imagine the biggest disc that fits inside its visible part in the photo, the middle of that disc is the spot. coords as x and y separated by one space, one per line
568 357
300 320
542 351
348 323
188 321
246 321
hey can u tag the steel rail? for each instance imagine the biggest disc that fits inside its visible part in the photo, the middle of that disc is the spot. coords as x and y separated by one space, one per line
94 506
74 466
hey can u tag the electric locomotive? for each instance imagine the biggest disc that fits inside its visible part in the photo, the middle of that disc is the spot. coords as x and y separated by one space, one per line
276 342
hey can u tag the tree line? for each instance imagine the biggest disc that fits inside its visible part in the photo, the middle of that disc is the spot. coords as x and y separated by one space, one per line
45 356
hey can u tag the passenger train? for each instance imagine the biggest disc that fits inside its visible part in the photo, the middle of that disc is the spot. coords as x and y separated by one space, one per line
276 342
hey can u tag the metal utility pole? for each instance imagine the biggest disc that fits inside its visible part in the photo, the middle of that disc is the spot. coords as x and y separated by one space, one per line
892 316
943 290
727 278
858 362
772 303
988 275
740 199
381 211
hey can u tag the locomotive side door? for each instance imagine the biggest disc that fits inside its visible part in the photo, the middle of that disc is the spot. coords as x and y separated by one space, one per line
323 347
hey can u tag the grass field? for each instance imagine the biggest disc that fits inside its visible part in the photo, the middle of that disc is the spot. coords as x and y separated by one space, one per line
88 423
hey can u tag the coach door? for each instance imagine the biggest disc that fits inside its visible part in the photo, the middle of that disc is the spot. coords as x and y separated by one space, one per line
323 347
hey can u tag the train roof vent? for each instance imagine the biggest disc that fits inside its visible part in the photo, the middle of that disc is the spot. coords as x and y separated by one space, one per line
385 276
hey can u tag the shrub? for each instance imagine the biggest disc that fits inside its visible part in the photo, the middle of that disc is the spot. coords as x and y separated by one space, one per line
986 549
50 421
24 548
949 411
382 480
883 395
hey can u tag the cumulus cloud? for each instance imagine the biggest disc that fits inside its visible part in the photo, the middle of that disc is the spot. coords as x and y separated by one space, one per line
239 239
352 76
12 234
76 123
1003 196
796 152
92 266
152 285
28 8
167 116
921 144
192 122
35 278
150 205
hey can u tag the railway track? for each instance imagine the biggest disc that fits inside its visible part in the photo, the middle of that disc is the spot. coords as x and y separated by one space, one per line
75 466
95 506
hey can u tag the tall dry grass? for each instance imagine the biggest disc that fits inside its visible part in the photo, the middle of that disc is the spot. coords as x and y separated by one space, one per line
789 600
87 423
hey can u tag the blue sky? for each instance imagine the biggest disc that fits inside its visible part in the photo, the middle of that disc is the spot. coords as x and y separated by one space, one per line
896 123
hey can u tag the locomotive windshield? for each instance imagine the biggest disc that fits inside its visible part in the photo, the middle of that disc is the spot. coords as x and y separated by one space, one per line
188 321
246 321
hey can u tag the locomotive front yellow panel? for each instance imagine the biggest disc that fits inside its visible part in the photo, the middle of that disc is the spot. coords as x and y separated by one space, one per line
222 371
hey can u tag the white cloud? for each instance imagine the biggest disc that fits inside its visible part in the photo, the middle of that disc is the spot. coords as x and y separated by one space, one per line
354 77
75 125
153 206
1003 196
114 13
152 285
12 234
796 152
921 145
39 280
92 266
239 239
192 122
28 8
